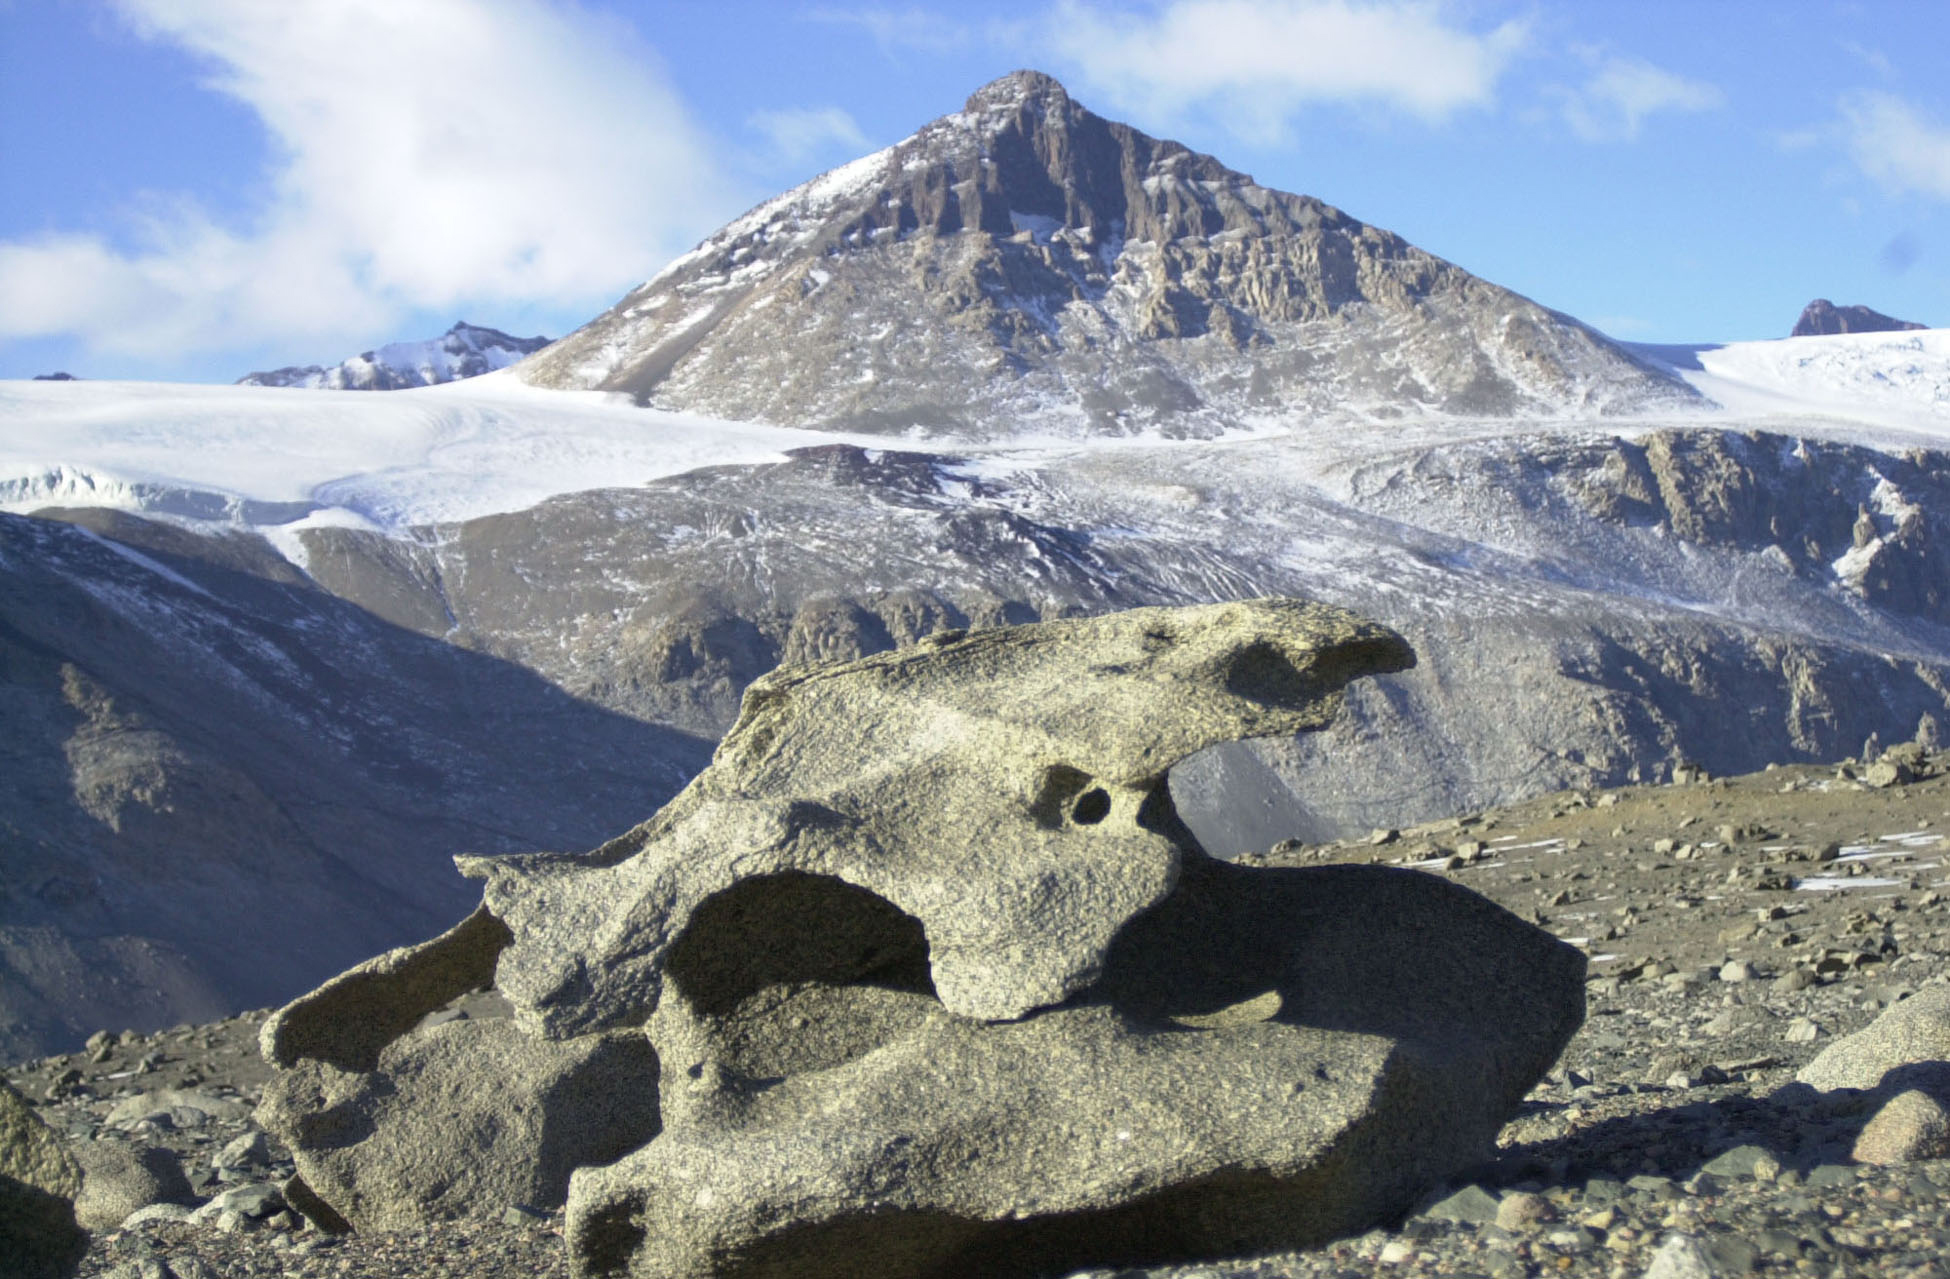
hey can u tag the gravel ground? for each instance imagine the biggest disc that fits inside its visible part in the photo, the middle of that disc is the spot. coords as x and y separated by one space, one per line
1735 928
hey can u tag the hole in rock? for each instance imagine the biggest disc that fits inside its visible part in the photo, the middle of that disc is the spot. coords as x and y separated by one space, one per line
1091 807
1062 786
795 927
1262 673
797 972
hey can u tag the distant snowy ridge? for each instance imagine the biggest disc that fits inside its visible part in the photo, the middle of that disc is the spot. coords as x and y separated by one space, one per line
1893 380
464 351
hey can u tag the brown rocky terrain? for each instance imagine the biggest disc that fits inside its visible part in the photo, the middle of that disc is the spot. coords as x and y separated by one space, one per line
1735 928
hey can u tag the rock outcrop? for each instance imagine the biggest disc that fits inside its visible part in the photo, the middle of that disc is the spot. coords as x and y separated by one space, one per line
1822 318
937 981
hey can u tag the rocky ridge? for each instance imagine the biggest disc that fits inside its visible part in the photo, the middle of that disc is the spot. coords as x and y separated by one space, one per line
1736 927
1026 265
1822 318
464 351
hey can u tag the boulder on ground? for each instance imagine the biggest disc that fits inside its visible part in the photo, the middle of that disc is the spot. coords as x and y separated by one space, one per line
38 1182
1908 1127
1912 1033
938 982
118 1178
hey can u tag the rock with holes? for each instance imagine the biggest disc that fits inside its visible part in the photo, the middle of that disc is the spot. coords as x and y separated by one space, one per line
393 1124
1268 1059
1004 788
939 983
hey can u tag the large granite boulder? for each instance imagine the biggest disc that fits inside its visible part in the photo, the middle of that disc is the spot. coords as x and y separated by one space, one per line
939 983
39 1179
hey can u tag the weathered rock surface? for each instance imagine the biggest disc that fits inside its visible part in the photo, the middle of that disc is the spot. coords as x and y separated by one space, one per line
393 1125
1006 789
1270 1059
1822 318
38 1181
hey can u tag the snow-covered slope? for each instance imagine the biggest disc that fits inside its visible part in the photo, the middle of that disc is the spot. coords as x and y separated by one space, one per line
494 444
1899 381
464 351
271 456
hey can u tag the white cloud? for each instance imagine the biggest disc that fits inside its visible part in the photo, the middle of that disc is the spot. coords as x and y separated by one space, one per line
1255 63
799 134
1622 92
896 30
1896 144
428 155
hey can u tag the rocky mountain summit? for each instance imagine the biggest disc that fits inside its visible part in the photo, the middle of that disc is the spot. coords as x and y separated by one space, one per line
1024 264
464 351
1822 318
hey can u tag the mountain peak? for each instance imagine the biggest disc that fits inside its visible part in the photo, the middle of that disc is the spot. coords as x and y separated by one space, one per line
1027 264
1017 89
1822 318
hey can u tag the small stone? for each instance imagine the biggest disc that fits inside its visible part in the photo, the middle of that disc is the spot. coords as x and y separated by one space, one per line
1911 1126
1884 773
1737 970
118 1179
1654 1186
1744 1161
1384 835
1524 1211
156 1212
1395 1251
1472 1204
1680 1257
1802 1030
1795 979
523 1215
244 1151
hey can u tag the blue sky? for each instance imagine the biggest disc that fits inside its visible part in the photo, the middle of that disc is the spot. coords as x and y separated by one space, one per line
197 188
